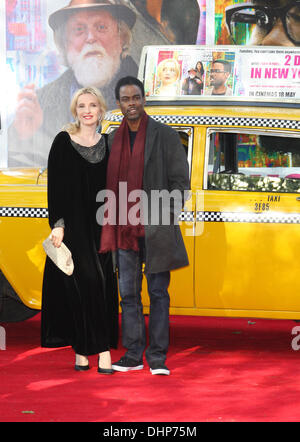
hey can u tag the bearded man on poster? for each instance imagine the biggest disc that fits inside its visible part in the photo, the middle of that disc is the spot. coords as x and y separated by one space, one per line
93 39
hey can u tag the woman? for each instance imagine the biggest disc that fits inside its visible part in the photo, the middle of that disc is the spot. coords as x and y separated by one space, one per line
80 310
199 70
168 73
199 75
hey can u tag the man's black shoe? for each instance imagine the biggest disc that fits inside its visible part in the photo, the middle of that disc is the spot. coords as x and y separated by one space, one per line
127 364
159 368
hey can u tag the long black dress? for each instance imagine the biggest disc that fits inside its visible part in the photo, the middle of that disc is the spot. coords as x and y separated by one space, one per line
80 310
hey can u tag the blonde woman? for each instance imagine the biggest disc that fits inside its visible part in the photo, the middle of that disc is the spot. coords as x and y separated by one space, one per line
80 310
168 74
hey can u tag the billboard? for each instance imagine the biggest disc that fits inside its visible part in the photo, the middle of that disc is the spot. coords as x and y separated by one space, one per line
50 48
53 47
240 73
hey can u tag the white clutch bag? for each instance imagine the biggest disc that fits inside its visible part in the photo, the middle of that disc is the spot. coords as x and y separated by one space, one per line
61 256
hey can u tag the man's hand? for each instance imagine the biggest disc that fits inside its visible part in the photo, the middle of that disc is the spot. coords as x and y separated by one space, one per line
29 114
57 236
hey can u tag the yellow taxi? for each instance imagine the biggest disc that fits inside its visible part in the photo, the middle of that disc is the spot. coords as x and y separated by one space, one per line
241 225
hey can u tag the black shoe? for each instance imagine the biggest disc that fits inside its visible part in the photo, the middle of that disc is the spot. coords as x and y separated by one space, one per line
127 364
159 368
81 367
105 370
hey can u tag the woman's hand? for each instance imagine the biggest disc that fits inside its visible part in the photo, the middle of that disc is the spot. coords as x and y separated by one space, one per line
57 236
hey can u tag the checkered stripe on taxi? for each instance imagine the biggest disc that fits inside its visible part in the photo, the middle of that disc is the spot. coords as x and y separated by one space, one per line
185 216
215 120
23 212
249 217
240 217
37 212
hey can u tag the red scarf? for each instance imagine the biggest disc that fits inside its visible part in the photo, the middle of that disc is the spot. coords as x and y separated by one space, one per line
127 167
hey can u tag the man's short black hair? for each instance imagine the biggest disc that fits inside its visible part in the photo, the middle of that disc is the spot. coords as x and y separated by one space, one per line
128 81
226 65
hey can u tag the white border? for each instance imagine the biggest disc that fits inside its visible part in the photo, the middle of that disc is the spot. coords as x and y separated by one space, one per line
3 114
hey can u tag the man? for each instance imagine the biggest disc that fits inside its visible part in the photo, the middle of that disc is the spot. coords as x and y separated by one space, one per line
219 74
267 22
192 85
145 155
93 38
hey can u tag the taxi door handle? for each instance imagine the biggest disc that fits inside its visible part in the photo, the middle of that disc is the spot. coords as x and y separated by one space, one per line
298 198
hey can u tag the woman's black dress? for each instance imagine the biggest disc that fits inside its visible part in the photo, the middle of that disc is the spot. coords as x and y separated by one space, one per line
80 310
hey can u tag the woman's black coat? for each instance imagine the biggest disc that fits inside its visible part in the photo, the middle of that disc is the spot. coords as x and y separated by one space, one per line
80 310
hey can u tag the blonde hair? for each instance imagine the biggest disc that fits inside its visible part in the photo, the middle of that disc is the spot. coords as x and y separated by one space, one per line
72 128
163 63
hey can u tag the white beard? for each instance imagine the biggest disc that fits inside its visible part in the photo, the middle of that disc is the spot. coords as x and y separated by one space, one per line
94 70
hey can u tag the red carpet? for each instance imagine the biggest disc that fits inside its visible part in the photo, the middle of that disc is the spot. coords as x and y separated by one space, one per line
222 370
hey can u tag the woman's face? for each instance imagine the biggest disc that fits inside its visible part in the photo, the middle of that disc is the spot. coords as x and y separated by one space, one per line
169 73
199 66
88 110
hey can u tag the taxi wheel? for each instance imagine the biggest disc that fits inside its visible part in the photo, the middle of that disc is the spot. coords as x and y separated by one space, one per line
12 308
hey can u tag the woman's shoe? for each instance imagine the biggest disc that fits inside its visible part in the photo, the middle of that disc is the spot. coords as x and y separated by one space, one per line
79 363
104 370
82 367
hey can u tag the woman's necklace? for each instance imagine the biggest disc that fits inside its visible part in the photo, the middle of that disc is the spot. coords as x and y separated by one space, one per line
87 142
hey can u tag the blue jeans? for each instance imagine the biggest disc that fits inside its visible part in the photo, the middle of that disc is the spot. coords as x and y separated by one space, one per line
133 322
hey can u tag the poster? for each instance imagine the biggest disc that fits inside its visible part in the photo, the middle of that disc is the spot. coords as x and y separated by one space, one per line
41 75
51 48
256 22
271 74
221 32
222 72
175 72
195 72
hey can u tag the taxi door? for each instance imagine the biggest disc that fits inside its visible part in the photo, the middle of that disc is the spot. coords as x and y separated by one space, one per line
23 227
247 235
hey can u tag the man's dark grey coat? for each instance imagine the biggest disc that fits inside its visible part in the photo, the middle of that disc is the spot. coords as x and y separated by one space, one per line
165 168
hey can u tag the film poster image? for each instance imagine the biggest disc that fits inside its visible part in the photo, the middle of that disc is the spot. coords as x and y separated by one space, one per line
240 33
194 72
269 74
54 47
253 23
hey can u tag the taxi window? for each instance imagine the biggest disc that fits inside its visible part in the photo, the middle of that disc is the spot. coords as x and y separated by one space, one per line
186 137
257 162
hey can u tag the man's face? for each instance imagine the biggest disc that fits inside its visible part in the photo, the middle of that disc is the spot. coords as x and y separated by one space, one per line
218 76
192 73
277 35
93 47
131 102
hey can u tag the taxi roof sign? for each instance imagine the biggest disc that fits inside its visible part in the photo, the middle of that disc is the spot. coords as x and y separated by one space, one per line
254 74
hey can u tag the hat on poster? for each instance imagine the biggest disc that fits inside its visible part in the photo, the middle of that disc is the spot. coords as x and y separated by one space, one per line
117 8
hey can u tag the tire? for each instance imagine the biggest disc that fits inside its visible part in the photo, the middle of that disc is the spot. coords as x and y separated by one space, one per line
12 308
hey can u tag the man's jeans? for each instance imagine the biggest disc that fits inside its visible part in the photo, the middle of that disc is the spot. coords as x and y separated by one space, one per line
133 323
